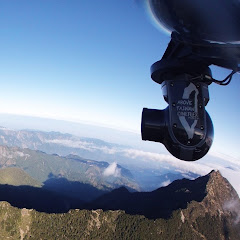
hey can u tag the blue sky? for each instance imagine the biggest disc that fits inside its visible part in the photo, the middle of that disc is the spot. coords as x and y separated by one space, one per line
89 61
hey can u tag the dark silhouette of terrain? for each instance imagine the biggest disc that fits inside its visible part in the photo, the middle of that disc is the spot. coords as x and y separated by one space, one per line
35 198
156 204
76 190
205 208
48 200
160 203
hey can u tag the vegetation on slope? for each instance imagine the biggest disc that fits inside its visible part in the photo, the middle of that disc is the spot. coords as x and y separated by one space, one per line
17 177
199 220
71 175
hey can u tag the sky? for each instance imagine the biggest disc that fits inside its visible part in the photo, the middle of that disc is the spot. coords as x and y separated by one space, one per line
89 61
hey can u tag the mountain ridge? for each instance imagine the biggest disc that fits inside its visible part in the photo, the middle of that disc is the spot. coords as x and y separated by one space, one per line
163 201
49 169
205 218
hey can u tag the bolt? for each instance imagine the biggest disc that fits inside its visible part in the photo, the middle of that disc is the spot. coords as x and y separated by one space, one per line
171 84
174 125
202 127
174 104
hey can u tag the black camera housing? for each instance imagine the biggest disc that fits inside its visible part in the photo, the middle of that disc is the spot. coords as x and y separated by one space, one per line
184 127
199 38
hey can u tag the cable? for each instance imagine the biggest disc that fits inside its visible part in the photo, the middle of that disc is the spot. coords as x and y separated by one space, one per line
223 82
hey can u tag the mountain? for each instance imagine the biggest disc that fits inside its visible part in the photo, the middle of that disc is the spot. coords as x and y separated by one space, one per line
205 208
65 144
17 177
147 172
150 180
37 198
62 144
80 129
71 175
163 201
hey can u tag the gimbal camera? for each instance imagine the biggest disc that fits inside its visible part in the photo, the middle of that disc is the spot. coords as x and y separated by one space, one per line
204 32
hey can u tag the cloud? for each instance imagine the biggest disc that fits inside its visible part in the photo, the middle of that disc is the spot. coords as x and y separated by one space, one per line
165 183
135 153
228 166
71 143
181 166
89 146
224 156
234 207
112 170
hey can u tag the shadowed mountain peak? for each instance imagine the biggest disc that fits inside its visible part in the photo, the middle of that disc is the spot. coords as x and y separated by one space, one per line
205 208
211 191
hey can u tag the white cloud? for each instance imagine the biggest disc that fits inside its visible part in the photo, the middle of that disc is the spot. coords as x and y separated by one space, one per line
112 170
228 166
181 166
165 183
234 207
135 153
71 143
224 156
84 145
108 150
201 167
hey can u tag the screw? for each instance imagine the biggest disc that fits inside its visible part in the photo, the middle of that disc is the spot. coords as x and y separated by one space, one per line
174 104
171 84
202 127
174 125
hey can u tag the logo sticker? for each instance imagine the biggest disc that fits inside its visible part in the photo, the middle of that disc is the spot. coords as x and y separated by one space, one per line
188 108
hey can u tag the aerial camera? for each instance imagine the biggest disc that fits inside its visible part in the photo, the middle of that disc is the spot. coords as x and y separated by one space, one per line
203 32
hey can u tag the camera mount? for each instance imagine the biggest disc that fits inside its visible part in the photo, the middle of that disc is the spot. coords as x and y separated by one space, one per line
185 127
